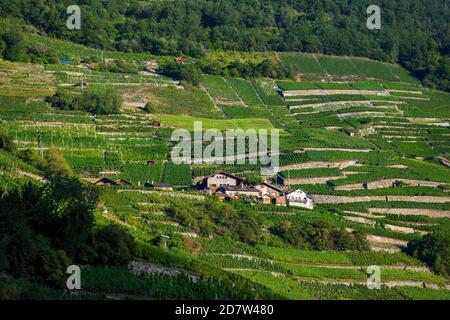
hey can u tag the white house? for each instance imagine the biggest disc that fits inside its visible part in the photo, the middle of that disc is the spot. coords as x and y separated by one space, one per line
299 198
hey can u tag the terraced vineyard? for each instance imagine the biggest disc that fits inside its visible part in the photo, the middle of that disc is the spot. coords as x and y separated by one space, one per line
364 139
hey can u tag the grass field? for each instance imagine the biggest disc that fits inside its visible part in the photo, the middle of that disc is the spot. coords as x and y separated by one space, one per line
189 101
188 123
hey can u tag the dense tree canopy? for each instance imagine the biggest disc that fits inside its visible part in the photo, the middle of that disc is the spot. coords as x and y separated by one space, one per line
321 236
105 101
434 249
414 32
45 228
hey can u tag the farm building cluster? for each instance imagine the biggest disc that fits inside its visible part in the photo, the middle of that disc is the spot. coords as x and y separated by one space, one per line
228 186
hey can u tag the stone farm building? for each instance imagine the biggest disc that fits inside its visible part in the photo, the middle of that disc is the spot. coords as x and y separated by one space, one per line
215 181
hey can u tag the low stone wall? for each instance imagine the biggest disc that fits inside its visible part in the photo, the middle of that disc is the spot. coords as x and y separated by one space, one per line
140 267
319 198
387 183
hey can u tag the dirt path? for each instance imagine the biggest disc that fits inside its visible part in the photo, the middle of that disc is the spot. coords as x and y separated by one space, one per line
373 239
31 175
406 91
413 98
360 220
314 180
405 230
366 215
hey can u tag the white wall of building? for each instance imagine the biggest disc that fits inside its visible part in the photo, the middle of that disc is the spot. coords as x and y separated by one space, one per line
299 198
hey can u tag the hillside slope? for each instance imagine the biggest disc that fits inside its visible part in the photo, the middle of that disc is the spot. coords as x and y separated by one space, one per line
413 33
363 138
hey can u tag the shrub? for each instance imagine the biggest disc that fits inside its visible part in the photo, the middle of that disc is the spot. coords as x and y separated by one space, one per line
27 254
113 245
434 250
97 102
183 72
320 236
8 291
55 164
217 218
31 157
191 245
6 142
253 179
14 48
119 66
41 54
